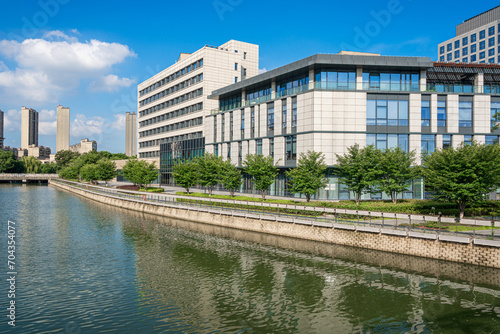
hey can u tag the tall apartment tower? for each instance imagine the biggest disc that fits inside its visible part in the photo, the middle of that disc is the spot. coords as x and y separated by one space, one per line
130 134
29 127
1 129
476 40
62 129
172 105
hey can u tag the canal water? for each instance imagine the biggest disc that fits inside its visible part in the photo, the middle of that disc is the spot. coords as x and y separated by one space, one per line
84 267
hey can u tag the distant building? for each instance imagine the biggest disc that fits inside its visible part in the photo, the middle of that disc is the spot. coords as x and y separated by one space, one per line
29 127
1 129
476 40
62 129
130 134
84 146
39 152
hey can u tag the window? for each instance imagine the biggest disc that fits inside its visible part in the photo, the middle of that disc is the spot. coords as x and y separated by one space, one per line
465 41
270 116
448 47
465 114
457 44
473 48
426 113
387 112
467 139
441 113
491 52
428 143
441 58
465 60
228 151
482 34
441 50
235 66
291 148
495 110
235 79
491 140
231 123
244 55
491 41
240 153
271 147
259 147
465 51
252 121
491 31
446 141
384 141
473 58
482 45
473 38
448 57
223 127
482 55
242 123
216 150
284 115
457 54
215 129
294 113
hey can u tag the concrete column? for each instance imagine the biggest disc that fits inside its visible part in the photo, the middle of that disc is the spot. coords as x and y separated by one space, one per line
479 83
243 97
359 78
273 88
423 81
311 78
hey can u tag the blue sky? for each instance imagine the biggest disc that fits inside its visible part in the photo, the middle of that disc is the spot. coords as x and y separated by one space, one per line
90 55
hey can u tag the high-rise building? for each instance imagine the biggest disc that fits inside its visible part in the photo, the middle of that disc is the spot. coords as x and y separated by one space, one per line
328 103
130 134
29 127
62 129
172 105
477 40
1 130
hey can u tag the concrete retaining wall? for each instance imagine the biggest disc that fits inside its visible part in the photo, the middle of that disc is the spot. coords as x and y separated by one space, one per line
469 253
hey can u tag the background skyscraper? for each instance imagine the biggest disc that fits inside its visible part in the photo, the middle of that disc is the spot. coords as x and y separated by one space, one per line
1 129
130 134
62 129
29 127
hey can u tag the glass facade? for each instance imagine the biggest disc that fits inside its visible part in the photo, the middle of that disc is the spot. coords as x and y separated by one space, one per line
291 148
284 114
428 143
174 152
294 113
384 141
387 112
426 113
441 113
465 114
270 117
446 141
494 110
391 81
491 140
329 79
292 86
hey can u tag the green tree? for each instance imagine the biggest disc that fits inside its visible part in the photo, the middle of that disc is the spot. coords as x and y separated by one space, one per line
309 175
462 175
230 177
209 167
358 169
69 173
186 174
106 170
63 158
118 156
32 164
140 172
50 168
262 170
89 172
9 163
396 171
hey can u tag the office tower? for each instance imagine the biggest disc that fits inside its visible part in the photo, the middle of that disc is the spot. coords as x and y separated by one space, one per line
477 40
62 129
130 134
29 127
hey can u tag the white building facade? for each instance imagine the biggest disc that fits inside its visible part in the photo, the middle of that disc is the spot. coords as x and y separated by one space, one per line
477 40
62 137
29 127
172 105
130 134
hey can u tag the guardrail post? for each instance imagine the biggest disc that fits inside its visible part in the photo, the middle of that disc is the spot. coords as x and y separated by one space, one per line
492 228
439 222
409 225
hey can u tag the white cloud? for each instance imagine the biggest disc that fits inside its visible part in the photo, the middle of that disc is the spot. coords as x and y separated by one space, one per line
12 120
110 83
47 122
119 122
46 68
262 70
83 127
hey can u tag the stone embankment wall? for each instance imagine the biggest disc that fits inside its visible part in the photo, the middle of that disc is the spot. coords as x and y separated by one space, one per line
468 253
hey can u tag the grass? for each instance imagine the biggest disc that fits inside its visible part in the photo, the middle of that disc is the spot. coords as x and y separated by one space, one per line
153 190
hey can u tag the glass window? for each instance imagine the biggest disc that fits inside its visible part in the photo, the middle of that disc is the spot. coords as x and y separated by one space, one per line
473 38
491 31
495 110
441 113
235 66
270 116
465 41
242 123
441 58
467 139
259 147
491 41
252 121
284 114
294 112
491 140
482 34
465 114
228 151
448 47
482 45
271 147
457 54
457 44
491 52
235 79
291 148
441 50
384 112
482 55
428 143
448 57
465 51
473 58
383 141
465 60
426 113
446 141
473 48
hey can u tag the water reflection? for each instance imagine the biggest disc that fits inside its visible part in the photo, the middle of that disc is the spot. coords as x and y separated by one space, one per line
87 267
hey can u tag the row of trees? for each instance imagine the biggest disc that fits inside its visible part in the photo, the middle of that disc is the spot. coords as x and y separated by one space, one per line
10 164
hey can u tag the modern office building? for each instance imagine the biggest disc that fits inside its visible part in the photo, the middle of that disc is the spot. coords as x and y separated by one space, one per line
63 121
172 105
84 146
1 130
328 103
130 134
477 40
29 127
